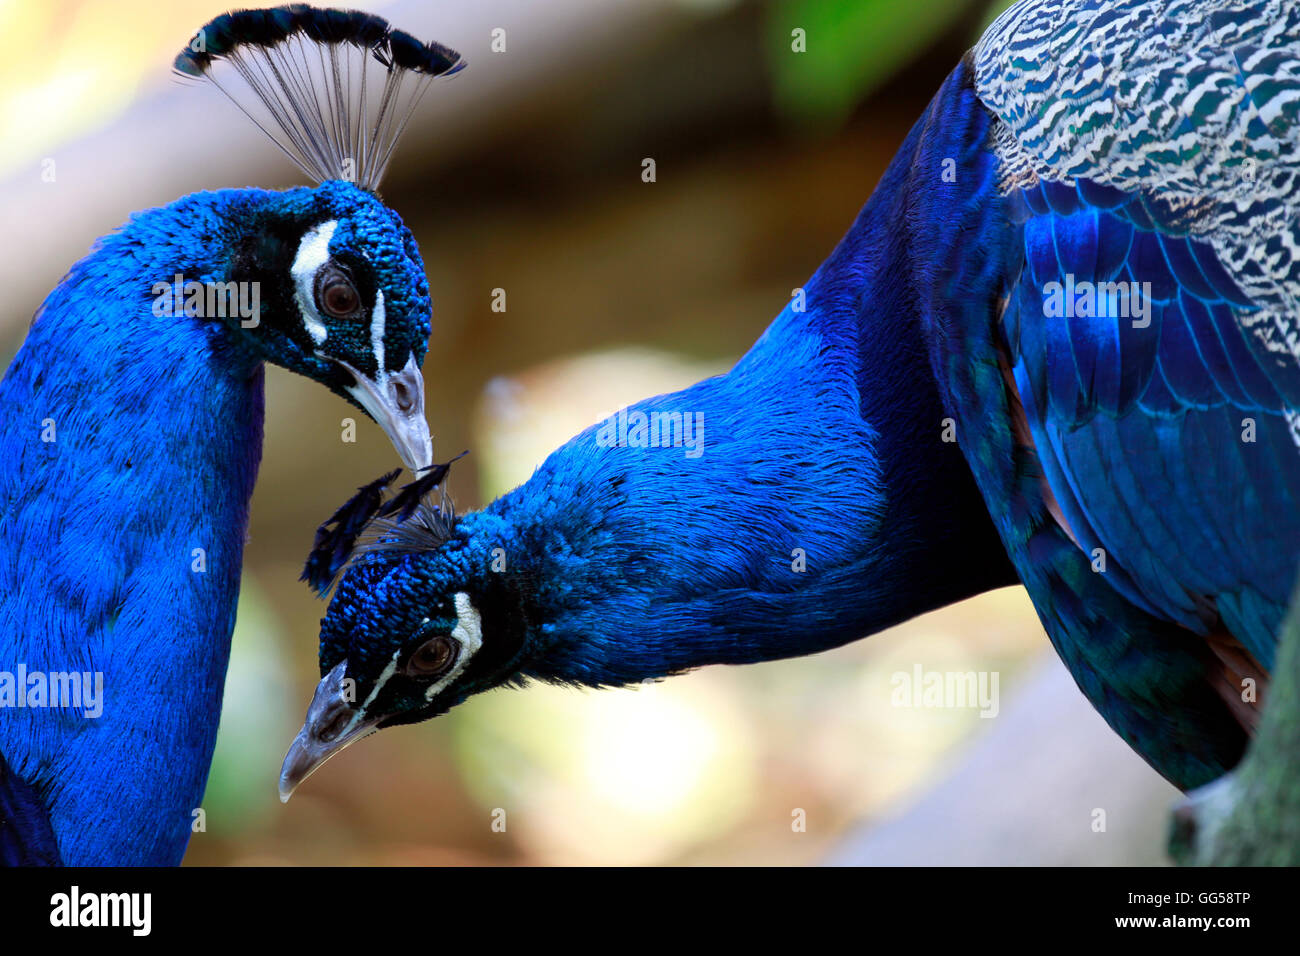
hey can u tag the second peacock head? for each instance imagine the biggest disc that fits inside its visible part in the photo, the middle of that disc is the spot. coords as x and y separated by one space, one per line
422 618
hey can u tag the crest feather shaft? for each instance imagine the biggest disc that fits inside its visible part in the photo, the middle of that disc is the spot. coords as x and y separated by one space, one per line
333 89
408 521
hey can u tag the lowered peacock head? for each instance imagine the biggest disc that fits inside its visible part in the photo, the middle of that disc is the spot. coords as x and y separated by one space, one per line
342 293
420 621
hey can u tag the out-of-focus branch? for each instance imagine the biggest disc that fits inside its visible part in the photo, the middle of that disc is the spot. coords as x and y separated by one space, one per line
1252 817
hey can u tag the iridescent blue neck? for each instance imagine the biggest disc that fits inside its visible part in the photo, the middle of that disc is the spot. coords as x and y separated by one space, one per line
828 498
133 442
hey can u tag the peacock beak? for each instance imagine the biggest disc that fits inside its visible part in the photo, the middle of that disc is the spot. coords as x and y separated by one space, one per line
396 401
332 724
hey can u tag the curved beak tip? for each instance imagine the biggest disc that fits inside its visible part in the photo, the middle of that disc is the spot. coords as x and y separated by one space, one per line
304 756
294 770
321 737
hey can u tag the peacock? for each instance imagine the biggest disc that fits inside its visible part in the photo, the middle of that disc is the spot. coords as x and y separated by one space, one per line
131 431
1059 346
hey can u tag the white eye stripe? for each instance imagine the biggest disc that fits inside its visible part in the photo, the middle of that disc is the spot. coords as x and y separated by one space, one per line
377 331
384 676
389 669
469 631
313 252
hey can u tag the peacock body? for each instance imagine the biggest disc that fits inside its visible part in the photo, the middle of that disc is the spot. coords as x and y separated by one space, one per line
1081 266
130 437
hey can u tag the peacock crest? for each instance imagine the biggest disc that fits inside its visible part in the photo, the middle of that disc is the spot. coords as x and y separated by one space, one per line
334 89
419 517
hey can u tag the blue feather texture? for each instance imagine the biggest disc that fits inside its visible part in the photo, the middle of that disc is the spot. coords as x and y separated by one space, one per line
156 437
821 499
1062 270
130 438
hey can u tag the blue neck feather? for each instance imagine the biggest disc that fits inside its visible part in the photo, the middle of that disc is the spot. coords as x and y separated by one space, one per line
157 428
824 447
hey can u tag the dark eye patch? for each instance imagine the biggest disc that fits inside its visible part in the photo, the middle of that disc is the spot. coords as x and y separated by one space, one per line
504 622
265 254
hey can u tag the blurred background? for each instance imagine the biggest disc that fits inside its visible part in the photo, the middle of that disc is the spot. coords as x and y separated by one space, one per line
524 173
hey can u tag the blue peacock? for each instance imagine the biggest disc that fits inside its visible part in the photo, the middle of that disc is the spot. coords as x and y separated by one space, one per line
131 430
1059 346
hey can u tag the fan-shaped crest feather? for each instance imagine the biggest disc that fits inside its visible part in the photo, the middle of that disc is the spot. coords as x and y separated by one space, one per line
366 524
339 86
427 527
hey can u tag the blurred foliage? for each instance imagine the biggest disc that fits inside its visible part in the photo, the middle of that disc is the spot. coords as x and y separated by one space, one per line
259 713
67 67
852 47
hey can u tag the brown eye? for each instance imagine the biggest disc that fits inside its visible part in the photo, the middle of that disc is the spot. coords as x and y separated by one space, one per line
432 657
336 296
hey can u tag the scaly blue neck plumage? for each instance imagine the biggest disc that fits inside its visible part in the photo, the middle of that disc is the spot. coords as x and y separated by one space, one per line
650 561
820 497
157 428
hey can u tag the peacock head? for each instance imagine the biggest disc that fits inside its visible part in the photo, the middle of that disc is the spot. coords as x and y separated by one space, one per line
420 622
342 287
343 299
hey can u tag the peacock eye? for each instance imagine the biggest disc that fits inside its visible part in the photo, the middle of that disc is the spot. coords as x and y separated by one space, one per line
432 657
336 296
